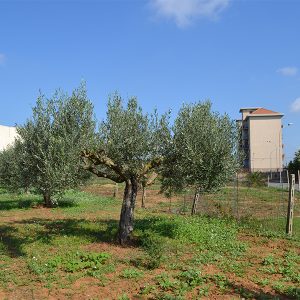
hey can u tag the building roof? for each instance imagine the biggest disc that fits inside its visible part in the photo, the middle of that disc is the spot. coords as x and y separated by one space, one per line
263 111
259 112
248 109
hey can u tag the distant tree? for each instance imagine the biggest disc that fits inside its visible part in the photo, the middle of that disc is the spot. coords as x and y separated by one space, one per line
131 144
294 165
14 171
50 144
203 154
256 179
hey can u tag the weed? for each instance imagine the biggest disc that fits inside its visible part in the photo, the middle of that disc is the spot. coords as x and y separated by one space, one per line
221 281
80 261
154 247
204 291
132 273
166 283
191 278
123 297
148 289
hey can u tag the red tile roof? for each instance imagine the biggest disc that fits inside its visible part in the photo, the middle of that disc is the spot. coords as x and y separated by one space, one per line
263 111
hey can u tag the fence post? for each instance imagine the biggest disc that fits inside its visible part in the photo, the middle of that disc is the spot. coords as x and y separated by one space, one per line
268 181
280 177
289 223
237 196
288 178
116 188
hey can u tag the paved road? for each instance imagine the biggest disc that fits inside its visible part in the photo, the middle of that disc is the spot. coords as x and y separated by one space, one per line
282 185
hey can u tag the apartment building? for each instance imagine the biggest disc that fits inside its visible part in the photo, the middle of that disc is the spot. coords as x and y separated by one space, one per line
7 136
261 139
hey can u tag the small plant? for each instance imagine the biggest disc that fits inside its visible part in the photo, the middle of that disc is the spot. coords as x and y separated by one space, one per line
191 278
80 261
261 281
221 281
269 261
146 290
204 291
132 273
166 283
123 297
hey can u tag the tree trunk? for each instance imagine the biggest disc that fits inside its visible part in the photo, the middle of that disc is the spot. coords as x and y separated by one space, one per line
127 211
143 197
195 202
47 200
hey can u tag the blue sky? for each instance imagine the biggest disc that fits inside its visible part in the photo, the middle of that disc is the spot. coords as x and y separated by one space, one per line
166 52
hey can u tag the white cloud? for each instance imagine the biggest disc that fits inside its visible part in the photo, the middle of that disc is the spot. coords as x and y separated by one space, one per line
288 71
295 106
2 58
183 12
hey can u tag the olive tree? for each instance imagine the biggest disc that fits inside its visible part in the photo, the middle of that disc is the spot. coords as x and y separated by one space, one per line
50 143
131 144
14 171
203 153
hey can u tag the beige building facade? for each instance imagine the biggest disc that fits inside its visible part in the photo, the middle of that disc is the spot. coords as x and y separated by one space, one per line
261 139
7 136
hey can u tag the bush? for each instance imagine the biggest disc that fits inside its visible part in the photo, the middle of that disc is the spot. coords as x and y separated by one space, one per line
256 179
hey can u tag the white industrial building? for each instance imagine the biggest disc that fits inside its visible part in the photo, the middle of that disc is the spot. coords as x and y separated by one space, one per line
7 136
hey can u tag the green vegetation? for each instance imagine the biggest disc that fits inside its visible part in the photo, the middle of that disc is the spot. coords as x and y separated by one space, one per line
202 154
256 179
46 156
130 145
172 256
294 165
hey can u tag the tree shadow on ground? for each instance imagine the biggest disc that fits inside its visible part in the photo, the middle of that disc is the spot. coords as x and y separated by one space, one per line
13 236
13 240
19 204
164 228
246 293
46 230
33 202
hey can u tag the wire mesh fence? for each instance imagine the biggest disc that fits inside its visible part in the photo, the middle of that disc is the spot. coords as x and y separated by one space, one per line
252 201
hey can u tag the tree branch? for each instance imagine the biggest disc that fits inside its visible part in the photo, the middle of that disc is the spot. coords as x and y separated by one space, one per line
150 179
156 162
100 158
99 173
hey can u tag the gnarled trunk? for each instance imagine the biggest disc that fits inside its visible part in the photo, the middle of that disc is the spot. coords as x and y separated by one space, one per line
127 211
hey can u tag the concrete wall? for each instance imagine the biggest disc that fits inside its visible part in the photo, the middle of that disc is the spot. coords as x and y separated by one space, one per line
7 136
265 139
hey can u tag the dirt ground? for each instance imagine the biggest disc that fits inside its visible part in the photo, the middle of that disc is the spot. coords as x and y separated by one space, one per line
116 287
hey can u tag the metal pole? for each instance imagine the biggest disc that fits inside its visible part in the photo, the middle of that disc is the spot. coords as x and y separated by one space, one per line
290 212
280 177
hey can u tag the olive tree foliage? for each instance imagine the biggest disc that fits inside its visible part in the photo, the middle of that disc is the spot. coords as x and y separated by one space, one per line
131 144
50 143
203 153
14 172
